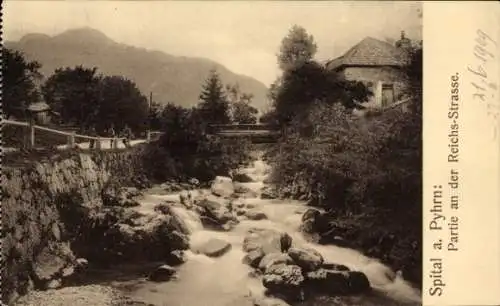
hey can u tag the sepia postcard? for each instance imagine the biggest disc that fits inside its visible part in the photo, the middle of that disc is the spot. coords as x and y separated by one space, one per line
250 153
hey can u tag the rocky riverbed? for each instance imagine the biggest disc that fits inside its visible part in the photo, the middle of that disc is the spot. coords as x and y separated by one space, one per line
233 243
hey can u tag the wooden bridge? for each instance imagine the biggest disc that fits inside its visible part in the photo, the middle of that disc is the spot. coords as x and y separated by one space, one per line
257 133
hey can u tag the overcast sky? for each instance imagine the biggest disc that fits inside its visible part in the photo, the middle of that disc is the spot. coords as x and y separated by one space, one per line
243 36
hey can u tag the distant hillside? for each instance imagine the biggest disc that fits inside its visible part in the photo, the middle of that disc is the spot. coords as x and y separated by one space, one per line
170 78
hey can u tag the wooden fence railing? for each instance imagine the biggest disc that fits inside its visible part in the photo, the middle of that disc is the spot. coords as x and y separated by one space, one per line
71 136
242 127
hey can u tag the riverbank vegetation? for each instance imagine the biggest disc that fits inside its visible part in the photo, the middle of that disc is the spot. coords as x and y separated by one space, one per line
364 170
82 99
186 150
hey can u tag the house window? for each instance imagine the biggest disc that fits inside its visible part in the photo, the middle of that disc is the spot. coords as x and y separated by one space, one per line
387 94
369 85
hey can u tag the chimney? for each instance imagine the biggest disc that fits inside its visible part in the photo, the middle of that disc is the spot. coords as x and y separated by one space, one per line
404 43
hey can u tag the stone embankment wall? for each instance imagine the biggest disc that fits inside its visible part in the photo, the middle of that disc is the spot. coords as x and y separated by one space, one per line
36 203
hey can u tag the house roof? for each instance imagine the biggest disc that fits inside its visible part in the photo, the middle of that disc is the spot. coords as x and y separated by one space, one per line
369 52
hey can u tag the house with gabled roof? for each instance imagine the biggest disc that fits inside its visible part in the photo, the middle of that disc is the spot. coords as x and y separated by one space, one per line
380 66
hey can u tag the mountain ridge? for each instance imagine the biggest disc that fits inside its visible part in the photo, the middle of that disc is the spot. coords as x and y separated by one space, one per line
170 78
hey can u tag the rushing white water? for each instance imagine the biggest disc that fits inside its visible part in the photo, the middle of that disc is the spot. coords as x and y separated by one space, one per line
225 281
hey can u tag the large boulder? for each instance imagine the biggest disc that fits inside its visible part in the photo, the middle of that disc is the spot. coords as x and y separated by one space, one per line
141 181
213 248
320 227
162 273
81 264
306 258
164 207
358 282
175 221
311 214
310 220
244 192
154 239
242 178
194 182
176 257
337 282
328 281
240 212
255 214
284 280
218 211
176 240
267 240
53 262
222 186
273 259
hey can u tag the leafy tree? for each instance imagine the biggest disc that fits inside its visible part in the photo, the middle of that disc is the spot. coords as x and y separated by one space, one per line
233 93
19 82
186 151
86 99
241 110
311 82
182 126
297 48
305 81
121 103
74 94
213 105
274 89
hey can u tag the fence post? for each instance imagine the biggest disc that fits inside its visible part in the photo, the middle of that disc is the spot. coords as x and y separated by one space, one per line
32 134
115 143
148 136
71 140
98 143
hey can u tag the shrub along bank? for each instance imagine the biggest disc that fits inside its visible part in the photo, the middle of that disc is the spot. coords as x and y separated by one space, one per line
366 173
